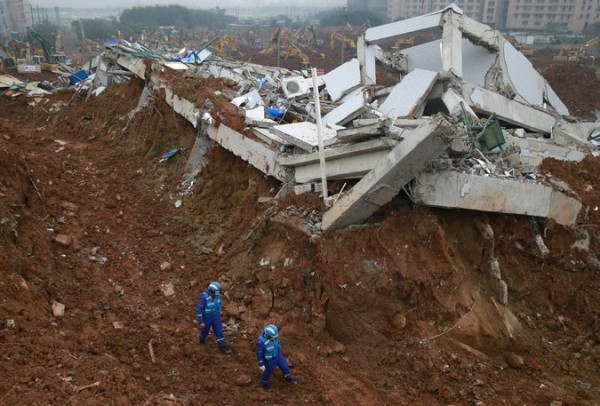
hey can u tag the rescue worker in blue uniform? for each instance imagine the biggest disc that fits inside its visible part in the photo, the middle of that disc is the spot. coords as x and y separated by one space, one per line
208 314
269 356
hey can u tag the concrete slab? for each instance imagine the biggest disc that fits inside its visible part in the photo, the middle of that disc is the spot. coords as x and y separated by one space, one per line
463 191
555 101
347 162
182 106
578 131
477 60
303 135
509 110
534 151
452 100
342 79
353 104
268 136
420 24
256 117
135 65
479 32
248 100
526 81
176 66
251 151
219 71
408 95
391 174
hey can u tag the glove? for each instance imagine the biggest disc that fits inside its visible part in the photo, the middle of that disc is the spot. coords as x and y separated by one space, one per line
262 368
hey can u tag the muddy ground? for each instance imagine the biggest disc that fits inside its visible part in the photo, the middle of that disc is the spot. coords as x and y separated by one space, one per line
399 311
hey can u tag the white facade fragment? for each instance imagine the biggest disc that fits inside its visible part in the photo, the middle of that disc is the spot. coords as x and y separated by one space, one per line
523 115
527 82
347 162
408 96
390 175
303 135
354 103
342 79
465 191
256 154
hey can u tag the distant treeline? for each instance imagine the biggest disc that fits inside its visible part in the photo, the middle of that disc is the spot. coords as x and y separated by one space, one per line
134 21
139 18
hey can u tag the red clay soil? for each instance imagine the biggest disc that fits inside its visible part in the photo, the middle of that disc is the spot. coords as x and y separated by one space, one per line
399 311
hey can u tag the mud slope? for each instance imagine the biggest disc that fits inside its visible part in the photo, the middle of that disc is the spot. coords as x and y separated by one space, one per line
403 310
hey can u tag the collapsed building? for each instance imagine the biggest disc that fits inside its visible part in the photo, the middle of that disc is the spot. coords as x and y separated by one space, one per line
465 127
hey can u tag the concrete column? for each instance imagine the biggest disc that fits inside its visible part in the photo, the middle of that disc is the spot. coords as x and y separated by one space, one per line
361 54
451 43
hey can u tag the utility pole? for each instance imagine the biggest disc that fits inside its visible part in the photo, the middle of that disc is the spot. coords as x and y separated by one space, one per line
82 31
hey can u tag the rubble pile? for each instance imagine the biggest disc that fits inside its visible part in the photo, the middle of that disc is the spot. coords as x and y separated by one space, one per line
476 110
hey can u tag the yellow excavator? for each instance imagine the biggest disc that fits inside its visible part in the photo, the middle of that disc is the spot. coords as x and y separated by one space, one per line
91 46
346 41
571 53
293 50
7 57
227 47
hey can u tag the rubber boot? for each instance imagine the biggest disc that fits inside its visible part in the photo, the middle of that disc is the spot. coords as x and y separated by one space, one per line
225 350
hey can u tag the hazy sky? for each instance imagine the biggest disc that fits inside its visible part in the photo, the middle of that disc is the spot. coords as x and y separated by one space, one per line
187 3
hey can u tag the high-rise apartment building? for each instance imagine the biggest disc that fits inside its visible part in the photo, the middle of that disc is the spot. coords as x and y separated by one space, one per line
537 14
574 15
4 19
486 11
15 16
20 11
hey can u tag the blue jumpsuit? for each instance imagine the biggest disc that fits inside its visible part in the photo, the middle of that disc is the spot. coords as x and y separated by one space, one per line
268 353
208 311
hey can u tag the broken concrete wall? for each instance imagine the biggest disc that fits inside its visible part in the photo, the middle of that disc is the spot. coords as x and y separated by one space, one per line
464 191
384 181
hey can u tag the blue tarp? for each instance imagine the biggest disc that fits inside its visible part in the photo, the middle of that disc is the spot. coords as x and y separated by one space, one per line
78 77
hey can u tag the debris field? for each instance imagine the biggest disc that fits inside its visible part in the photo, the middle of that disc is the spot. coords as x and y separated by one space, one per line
117 210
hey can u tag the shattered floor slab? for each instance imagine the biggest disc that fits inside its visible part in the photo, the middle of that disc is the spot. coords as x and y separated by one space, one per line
346 162
464 191
391 174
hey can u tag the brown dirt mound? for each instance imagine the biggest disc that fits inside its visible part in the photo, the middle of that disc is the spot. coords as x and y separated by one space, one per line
399 311
577 85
